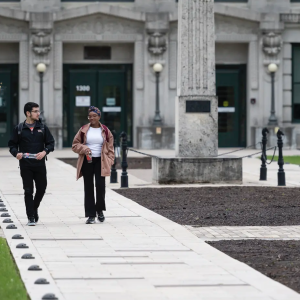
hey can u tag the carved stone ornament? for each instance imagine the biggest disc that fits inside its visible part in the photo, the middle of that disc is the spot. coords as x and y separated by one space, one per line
157 43
272 43
41 42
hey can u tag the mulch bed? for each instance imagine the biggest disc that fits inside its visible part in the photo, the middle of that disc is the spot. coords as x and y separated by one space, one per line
279 260
133 162
222 206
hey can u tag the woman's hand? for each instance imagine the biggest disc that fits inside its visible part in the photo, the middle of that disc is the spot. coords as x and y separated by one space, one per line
87 151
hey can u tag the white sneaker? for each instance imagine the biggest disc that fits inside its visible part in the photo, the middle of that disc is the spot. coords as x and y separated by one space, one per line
31 222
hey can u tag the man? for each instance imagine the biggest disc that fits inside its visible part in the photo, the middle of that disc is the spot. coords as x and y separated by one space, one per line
32 137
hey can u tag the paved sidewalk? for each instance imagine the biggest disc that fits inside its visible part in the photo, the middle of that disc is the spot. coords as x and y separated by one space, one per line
216 233
134 254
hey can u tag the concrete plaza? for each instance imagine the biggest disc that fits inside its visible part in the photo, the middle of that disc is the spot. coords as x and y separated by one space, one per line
135 253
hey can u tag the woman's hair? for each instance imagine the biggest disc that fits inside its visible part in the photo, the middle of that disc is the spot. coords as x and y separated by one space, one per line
95 110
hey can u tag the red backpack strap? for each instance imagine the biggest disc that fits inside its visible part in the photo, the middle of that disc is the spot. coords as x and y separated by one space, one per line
106 132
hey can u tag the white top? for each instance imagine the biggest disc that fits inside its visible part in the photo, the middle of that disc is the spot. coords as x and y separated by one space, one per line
94 141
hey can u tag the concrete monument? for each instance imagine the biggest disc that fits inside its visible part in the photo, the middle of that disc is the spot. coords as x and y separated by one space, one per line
196 130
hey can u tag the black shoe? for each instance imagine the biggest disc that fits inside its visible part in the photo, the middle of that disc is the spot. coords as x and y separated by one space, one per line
36 216
31 222
101 217
90 220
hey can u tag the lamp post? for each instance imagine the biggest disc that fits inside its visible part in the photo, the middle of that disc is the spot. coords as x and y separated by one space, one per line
41 68
157 70
272 69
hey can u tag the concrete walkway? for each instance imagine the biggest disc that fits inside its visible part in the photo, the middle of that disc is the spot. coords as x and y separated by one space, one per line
134 254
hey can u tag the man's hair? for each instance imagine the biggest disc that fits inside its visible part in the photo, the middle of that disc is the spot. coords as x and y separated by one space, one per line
29 106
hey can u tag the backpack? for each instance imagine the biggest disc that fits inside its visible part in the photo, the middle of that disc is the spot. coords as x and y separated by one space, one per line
106 133
20 127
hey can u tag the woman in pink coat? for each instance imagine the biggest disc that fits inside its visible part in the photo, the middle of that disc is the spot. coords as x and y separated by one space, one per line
96 140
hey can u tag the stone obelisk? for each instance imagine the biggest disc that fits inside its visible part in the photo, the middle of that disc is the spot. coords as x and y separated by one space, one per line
196 129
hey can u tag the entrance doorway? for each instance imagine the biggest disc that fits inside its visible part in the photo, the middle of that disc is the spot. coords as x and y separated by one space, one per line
8 101
107 87
231 92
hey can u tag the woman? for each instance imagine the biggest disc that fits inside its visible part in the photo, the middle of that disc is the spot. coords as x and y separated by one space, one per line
96 140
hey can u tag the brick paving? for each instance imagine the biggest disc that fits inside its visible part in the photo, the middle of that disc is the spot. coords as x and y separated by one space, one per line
246 232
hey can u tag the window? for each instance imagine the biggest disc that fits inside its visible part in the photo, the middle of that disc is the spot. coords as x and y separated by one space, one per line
102 52
296 83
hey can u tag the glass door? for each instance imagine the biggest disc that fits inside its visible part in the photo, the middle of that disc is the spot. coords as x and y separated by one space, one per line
109 87
5 105
230 84
111 99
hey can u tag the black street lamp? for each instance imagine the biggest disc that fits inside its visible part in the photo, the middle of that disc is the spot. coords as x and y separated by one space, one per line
272 69
157 70
41 68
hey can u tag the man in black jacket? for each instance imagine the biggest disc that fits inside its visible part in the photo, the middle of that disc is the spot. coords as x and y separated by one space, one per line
32 137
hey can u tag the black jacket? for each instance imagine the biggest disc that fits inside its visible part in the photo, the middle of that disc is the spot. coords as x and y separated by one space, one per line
31 142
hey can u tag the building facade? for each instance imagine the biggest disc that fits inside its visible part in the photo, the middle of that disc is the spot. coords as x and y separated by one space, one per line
102 53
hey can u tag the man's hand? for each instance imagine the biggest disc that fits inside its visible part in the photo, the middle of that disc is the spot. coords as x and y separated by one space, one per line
87 151
41 155
19 156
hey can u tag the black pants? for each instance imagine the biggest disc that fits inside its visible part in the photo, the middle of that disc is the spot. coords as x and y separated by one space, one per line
39 176
89 170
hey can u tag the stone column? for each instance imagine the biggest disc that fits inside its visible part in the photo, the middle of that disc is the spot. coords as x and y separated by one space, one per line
139 71
23 77
57 108
196 103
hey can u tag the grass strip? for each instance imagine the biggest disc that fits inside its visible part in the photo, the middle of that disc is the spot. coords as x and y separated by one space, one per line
295 160
11 284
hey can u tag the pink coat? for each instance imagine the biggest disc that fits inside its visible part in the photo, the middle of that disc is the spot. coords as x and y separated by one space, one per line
107 153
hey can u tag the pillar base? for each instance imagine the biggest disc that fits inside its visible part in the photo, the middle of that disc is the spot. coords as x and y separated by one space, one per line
197 170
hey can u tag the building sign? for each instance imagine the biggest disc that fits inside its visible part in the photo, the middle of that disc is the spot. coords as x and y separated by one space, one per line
197 106
111 109
83 101
83 88
226 109
111 101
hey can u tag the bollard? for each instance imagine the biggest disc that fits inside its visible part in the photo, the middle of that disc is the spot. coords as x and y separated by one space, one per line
34 268
124 175
17 237
41 281
22 246
113 171
281 173
263 168
49 297
27 256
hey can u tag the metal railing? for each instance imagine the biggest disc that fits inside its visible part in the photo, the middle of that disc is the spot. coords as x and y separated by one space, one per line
263 170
